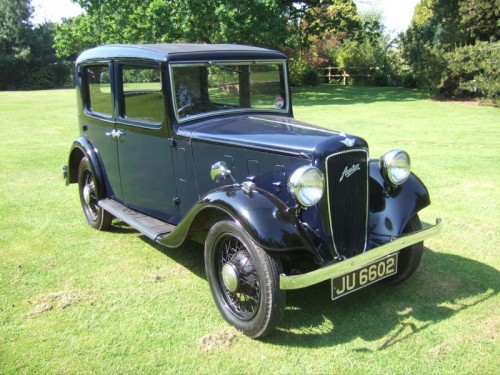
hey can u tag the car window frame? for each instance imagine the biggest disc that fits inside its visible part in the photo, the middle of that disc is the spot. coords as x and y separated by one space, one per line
120 97
87 102
286 110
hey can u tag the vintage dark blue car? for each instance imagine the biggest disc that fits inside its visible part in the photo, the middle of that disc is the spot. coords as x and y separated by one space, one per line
199 142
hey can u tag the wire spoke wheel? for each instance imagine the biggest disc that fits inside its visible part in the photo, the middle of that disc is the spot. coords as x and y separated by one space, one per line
244 280
240 281
89 198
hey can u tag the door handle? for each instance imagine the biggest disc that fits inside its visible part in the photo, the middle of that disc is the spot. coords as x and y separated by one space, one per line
119 133
116 133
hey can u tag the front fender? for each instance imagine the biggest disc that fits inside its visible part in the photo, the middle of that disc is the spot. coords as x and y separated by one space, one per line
391 208
263 216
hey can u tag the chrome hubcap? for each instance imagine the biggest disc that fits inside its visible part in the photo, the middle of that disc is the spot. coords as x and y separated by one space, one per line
86 194
230 277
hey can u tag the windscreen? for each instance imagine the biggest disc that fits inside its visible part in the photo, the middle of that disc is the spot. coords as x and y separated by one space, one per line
210 88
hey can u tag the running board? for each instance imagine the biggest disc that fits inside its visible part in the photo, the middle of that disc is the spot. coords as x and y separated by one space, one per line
147 225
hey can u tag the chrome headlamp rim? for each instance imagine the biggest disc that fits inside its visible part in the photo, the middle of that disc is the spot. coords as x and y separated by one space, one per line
395 166
305 194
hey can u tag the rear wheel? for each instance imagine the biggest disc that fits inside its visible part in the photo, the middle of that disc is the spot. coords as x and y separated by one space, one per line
409 257
97 217
244 280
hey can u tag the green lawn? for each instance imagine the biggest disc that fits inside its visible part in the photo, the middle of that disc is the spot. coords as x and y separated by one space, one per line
74 300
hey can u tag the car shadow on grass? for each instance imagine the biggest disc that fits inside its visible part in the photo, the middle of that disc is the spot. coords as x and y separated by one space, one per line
189 255
383 315
121 227
342 95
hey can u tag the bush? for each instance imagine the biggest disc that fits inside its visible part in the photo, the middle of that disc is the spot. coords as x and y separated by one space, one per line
380 79
408 81
46 77
41 79
303 72
475 70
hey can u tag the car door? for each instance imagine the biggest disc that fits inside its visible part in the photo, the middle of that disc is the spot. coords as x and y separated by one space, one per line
144 149
98 120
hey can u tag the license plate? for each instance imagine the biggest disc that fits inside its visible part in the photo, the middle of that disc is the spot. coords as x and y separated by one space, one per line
357 279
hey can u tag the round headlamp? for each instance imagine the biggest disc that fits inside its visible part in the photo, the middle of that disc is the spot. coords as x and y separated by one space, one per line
306 185
395 166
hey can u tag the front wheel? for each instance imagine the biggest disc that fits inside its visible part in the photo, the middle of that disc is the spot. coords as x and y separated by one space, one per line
244 280
97 217
409 257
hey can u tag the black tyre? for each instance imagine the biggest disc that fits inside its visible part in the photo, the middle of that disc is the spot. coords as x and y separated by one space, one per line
409 257
96 216
244 280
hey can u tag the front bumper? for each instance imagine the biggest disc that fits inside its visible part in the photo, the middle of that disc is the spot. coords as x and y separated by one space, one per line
351 264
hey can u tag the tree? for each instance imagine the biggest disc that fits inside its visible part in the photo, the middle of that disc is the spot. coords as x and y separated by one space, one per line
27 59
269 23
481 19
257 22
45 70
443 46
316 30
111 21
219 21
303 29
370 56
338 17
15 28
476 69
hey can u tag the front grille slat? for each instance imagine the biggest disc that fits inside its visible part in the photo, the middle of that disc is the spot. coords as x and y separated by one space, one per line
347 185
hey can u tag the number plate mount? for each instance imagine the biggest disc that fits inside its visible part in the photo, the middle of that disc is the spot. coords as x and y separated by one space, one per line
364 276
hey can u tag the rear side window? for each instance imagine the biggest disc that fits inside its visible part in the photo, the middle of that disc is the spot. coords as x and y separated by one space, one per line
98 80
142 95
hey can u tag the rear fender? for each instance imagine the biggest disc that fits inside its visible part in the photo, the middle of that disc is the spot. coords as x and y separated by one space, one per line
391 208
82 147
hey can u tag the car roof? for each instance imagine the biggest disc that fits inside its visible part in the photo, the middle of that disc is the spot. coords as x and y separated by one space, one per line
179 52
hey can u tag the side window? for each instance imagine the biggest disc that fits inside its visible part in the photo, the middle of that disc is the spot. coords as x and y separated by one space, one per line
142 95
100 100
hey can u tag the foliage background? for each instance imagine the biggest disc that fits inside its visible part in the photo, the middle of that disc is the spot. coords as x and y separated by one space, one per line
451 47
27 58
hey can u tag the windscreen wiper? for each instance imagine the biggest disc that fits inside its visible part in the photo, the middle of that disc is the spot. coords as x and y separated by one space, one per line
224 67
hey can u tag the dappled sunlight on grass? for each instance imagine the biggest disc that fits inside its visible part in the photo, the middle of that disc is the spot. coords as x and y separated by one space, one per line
74 300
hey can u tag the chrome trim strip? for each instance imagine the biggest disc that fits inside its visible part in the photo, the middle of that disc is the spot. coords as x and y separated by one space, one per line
208 62
361 260
298 126
328 193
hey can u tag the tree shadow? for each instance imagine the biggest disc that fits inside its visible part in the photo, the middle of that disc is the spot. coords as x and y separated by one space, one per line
444 285
347 95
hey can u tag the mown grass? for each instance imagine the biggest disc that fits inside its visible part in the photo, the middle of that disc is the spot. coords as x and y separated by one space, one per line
74 300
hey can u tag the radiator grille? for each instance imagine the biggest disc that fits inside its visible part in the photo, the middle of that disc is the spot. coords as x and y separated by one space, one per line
347 184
